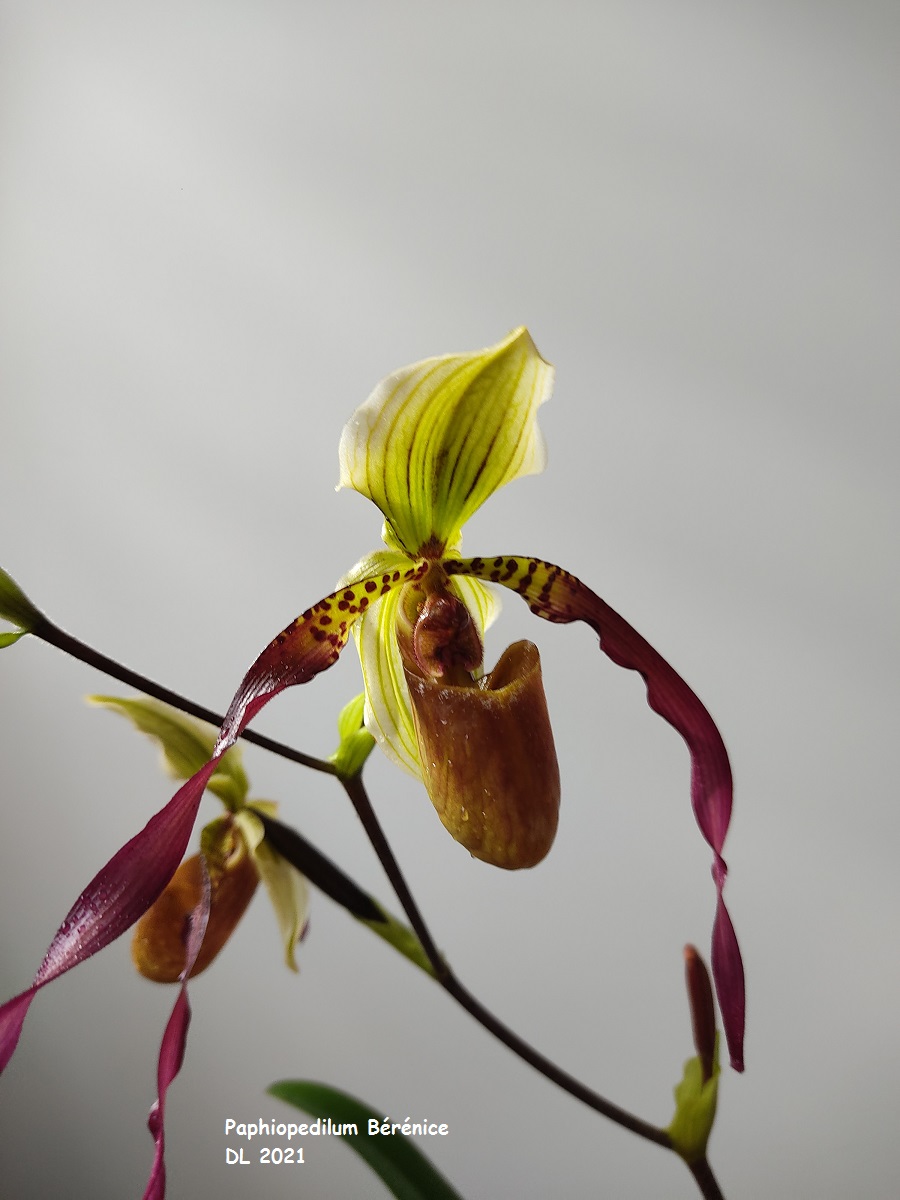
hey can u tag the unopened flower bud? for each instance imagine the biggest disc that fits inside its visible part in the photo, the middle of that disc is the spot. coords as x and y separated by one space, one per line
696 1094
488 758
703 1013
158 945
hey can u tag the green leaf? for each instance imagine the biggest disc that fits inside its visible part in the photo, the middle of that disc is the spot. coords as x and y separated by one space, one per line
318 869
16 608
187 744
9 639
403 1169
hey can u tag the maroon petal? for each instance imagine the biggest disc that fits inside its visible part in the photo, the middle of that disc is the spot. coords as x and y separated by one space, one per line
114 899
728 972
12 1018
171 1051
554 594
308 646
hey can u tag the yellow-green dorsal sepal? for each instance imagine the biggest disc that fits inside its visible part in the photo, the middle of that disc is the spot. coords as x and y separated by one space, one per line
436 439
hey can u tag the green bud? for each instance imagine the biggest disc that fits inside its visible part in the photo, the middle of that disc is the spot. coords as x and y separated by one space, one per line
16 608
356 742
695 1096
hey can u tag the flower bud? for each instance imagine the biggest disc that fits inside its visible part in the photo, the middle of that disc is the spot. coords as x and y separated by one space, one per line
697 1093
488 758
703 1013
158 944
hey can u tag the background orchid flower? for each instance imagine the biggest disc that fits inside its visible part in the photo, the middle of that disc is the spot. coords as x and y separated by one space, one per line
185 913
234 847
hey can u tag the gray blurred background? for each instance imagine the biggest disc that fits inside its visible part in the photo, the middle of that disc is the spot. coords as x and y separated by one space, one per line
222 224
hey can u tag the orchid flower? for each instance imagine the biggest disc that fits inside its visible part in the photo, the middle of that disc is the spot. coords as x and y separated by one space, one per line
235 854
199 907
429 446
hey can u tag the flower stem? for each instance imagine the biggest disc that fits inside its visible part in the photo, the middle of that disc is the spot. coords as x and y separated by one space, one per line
54 636
706 1181
359 797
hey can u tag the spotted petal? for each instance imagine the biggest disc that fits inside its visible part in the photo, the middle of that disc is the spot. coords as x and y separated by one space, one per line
436 439
308 646
554 594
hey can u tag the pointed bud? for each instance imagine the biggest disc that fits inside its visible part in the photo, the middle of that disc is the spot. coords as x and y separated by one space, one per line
703 1013
158 945
356 742
697 1093
16 608
488 758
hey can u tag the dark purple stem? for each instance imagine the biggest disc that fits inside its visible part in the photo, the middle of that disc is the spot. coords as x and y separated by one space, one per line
54 636
356 791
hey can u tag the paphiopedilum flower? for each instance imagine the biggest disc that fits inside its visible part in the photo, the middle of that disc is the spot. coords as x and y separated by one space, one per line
235 852
429 446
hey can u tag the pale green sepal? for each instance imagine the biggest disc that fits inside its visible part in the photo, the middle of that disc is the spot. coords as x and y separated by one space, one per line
436 439
187 745
15 606
695 1109
402 938
9 639
356 742
287 888
388 715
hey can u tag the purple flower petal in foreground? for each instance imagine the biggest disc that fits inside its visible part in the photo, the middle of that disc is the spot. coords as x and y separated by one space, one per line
114 899
171 1052
554 594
